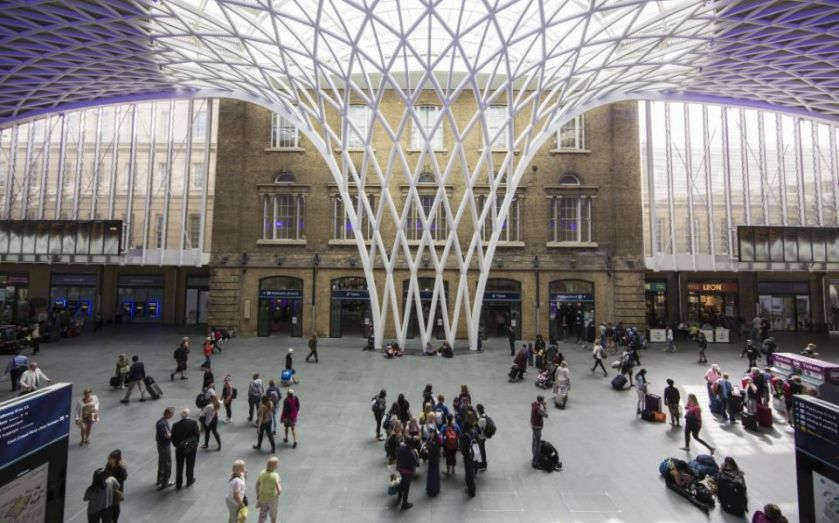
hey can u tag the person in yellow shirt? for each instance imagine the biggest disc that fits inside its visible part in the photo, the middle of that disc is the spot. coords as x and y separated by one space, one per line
268 490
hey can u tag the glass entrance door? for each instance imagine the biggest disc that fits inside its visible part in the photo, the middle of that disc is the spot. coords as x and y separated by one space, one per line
786 313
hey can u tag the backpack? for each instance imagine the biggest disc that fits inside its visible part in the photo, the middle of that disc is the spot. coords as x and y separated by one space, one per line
603 353
451 438
234 393
489 430
202 399
176 353
255 390
378 406
387 424
275 397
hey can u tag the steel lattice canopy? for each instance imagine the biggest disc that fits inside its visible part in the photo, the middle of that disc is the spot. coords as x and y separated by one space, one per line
774 54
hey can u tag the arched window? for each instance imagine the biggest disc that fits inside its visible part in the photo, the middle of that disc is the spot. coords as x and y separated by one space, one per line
285 177
569 179
279 283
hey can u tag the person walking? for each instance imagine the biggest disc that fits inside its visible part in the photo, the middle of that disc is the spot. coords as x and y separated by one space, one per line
115 468
313 347
136 375
404 409
291 408
378 404
274 394
181 355
235 498
163 437
209 418
256 389
538 413
101 495
671 342
185 437
87 413
672 398
263 424
641 384
511 334
406 464
289 365
751 352
208 353
599 354
36 338
693 423
702 343
268 490
228 394
32 379
15 368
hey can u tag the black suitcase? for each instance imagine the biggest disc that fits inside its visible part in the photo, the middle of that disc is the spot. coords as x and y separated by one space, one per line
619 382
749 421
731 491
652 403
115 381
735 405
153 388
549 457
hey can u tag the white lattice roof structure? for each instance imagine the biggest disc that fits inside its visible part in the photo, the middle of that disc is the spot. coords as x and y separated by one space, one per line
548 60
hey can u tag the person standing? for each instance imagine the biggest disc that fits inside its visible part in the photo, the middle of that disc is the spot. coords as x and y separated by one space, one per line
481 436
702 343
313 347
769 348
641 384
122 369
268 490
15 368
432 453
101 495
289 365
538 413
36 338
256 390
185 436
599 354
209 418
163 437
724 391
671 342
467 444
181 355
406 464
208 353
511 334
32 379
263 424
693 423
712 376
291 408
235 498
751 352
136 374
87 413
274 394
378 405
672 398
228 394
116 469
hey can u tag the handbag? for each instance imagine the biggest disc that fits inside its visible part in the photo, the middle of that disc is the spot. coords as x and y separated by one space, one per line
242 515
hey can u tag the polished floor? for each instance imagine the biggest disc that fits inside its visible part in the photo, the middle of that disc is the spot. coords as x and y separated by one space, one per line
338 472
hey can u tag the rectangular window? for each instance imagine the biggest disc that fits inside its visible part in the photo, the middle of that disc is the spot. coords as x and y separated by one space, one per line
199 125
193 230
427 116
496 127
359 115
691 240
572 135
161 174
571 220
437 224
284 134
662 235
158 227
196 175
162 125
283 217
510 229
342 227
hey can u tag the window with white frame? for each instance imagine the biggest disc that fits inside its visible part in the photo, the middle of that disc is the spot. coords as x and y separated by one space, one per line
359 116
496 127
162 174
510 229
571 219
722 241
196 175
427 116
437 224
572 135
662 235
193 230
158 227
284 134
342 228
199 127
283 217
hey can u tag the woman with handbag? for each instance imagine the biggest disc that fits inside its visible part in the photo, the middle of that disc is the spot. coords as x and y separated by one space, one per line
693 423
87 413
209 420
123 367
236 499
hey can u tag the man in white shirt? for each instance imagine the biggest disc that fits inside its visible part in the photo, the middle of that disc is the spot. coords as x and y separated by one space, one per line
33 379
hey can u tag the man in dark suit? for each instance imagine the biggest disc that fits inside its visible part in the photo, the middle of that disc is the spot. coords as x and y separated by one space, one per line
163 436
185 436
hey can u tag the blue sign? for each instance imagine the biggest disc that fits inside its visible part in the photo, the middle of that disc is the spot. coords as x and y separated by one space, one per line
502 296
73 280
31 422
816 424
351 295
141 281
286 293
571 298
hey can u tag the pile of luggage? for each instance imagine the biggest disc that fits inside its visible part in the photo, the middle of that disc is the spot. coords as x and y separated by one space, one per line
701 478
652 409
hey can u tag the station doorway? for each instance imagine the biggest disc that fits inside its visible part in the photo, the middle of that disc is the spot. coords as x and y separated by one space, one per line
501 308
572 310
280 306
426 286
349 308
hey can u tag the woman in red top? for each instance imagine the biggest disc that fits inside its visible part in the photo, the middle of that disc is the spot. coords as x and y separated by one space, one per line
693 423
208 352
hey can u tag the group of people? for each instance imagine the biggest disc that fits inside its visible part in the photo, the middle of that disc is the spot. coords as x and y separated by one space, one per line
439 430
25 375
107 490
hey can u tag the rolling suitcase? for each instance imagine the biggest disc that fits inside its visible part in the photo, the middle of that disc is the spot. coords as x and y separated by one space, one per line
749 422
619 382
115 381
731 491
153 388
735 405
716 406
652 403
764 415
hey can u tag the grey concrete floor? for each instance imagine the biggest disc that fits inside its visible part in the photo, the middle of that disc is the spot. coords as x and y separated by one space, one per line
338 472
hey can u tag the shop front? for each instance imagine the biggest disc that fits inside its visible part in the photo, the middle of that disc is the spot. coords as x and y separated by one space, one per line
426 294
572 309
14 297
197 298
280 306
655 299
501 308
785 304
712 303
349 313
140 298
73 295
